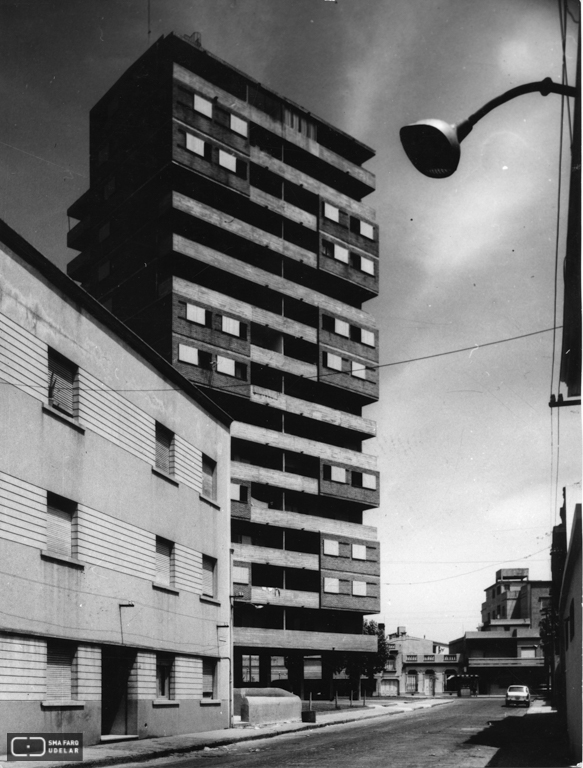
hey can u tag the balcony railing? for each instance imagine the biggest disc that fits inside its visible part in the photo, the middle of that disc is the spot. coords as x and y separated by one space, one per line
507 662
411 657
429 657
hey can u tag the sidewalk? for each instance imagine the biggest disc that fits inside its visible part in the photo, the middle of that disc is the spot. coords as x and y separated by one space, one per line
149 749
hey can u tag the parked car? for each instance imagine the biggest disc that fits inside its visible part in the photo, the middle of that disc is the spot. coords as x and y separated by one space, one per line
517 695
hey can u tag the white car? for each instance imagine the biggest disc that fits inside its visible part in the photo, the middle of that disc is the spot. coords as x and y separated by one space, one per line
517 695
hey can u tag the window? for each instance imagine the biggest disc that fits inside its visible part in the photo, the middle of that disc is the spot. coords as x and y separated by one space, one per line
338 474
164 667
239 493
367 265
369 481
109 189
62 385
164 449
342 328
367 337
187 354
197 315
367 230
332 585
359 551
527 652
359 588
331 547
59 677
209 477
299 123
194 144
341 254
240 574
104 232
60 515
202 105
209 667
209 567
228 161
231 367
103 270
331 212
250 668
332 361
358 370
238 125
231 326
164 552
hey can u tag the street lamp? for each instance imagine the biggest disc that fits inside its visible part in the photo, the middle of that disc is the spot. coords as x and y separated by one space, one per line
433 146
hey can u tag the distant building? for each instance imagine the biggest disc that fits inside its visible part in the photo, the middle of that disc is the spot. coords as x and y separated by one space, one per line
225 225
114 510
508 647
417 666
566 617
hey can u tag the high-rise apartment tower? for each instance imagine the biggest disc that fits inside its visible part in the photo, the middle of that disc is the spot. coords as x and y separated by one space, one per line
224 224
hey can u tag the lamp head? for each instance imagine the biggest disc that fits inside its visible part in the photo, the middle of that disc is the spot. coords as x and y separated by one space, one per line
433 146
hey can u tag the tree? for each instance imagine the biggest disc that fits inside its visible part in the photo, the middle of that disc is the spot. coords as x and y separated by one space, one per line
358 665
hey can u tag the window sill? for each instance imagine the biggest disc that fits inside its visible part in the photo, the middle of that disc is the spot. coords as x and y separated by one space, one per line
210 702
165 588
164 476
209 501
210 600
71 421
165 703
62 559
62 704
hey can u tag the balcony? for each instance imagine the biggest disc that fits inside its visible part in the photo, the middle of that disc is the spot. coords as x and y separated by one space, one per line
411 657
278 557
506 661
306 641
429 657
297 521
288 597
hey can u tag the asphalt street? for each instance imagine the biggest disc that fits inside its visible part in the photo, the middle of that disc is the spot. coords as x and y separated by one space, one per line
467 733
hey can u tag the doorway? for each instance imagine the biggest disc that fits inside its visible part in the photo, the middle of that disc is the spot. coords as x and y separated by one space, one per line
116 666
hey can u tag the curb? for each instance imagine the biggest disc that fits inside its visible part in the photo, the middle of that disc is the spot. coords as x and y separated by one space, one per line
233 739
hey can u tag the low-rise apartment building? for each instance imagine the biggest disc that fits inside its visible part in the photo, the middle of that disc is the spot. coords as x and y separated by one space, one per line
114 522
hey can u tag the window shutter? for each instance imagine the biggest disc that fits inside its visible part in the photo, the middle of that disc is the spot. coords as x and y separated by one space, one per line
331 212
358 370
332 585
59 530
367 337
341 254
163 559
194 144
187 354
208 576
240 574
59 663
225 365
231 326
359 551
208 678
342 328
369 481
333 361
338 474
238 125
202 105
61 383
367 265
163 445
331 547
196 314
228 161
359 588
367 230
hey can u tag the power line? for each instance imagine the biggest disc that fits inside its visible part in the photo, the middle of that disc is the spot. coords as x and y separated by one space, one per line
459 575
334 373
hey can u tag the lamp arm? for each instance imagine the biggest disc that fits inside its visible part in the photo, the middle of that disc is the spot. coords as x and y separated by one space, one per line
544 87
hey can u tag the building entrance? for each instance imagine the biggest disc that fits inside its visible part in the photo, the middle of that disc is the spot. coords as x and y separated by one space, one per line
116 666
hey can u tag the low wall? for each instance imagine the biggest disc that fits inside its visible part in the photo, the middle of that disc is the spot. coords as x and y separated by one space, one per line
266 705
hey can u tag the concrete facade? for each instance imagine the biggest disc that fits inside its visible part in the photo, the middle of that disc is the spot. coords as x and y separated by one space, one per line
566 617
417 666
507 649
114 544
226 225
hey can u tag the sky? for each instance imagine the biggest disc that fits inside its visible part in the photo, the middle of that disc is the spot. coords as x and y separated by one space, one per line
472 458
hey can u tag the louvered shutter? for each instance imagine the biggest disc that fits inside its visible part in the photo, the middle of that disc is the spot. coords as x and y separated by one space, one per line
163 560
59 524
208 678
59 664
61 383
208 576
163 444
